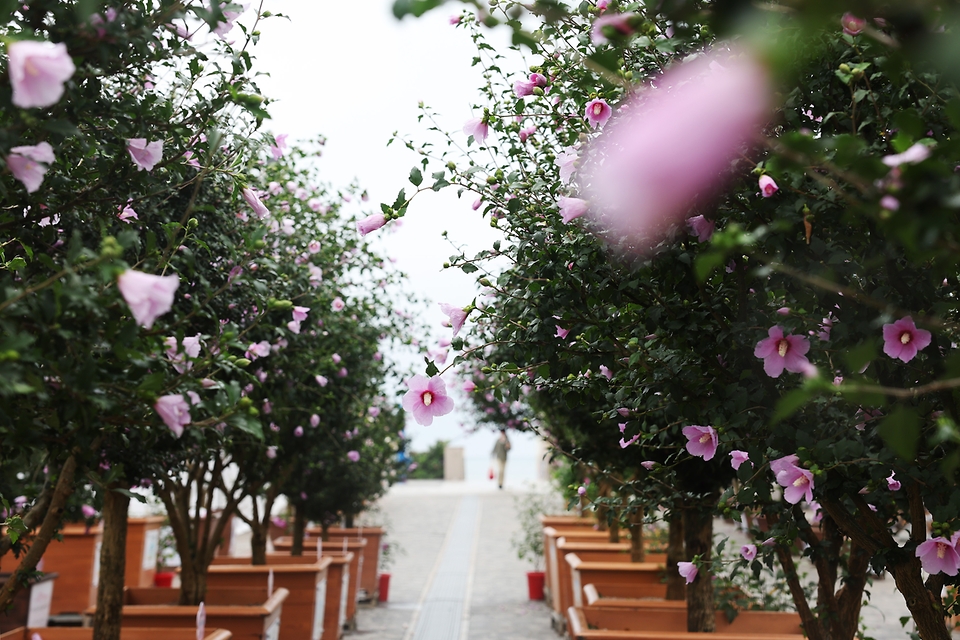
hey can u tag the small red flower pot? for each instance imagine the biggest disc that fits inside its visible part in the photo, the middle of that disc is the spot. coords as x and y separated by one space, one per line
383 587
163 579
535 584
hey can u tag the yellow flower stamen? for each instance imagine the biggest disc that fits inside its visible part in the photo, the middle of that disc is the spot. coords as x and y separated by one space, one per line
782 347
427 398
905 337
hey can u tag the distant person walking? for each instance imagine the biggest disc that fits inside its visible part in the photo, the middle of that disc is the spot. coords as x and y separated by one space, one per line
500 449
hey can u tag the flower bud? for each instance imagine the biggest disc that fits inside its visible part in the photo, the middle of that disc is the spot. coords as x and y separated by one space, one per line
110 248
242 362
193 223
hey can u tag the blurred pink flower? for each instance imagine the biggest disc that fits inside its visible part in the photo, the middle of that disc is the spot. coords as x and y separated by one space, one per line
337 304
38 71
371 223
353 455
478 129
342 373
298 432
581 491
701 441
672 143
648 464
917 153
903 340
145 154
174 411
701 227
889 203
127 213
457 316
748 551
252 199
938 555
688 570
523 88
426 398
294 326
258 350
321 380
272 453
852 25
88 511
300 313
738 457
566 161
469 386
276 150
597 112
148 296
781 352
768 186
892 483
28 164
571 208
313 247
526 132
615 25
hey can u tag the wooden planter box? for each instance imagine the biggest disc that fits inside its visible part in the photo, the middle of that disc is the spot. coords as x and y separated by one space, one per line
131 633
354 547
628 595
600 623
246 612
338 594
567 521
143 546
77 561
370 560
625 573
551 561
31 606
609 552
304 577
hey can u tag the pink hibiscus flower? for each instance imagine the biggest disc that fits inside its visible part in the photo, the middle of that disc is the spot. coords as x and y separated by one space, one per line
701 441
38 71
781 352
903 340
597 112
174 411
457 316
427 399
939 555
145 154
148 296
28 164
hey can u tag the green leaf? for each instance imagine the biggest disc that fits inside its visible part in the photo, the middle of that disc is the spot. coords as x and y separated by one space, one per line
416 177
247 423
132 495
415 8
901 432
431 367
858 357
468 267
707 262
152 383
790 403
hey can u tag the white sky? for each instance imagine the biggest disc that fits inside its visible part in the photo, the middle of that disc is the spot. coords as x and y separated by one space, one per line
353 73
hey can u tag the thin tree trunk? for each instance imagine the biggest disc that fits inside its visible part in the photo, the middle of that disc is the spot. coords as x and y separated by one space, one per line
698 536
258 543
113 560
51 521
299 528
348 521
637 552
325 532
676 585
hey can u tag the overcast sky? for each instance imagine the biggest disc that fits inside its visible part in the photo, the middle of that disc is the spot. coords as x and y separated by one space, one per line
353 73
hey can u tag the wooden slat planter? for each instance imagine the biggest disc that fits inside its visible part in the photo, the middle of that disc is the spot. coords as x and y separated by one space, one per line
627 595
338 581
355 547
304 577
626 573
246 612
370 561
601 623
77 561
567 521
126 633
143 545
551 561
31 606
594 552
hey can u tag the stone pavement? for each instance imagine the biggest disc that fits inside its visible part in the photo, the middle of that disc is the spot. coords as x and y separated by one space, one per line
491 578
472 586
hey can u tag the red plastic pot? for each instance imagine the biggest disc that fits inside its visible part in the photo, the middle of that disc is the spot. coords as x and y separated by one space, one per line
383 587
163 579
535 584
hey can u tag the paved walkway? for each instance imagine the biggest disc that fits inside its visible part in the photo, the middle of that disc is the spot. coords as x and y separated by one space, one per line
458 577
